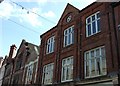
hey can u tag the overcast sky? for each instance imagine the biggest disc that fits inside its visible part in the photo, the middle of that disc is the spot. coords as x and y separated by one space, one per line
17 21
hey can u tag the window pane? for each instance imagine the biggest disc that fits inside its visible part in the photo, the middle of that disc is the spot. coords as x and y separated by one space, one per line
88 20
103 51
71 72
93 67
68 61
89 29
104 66
71 61
65 39
63 62
87 68
63 74
98 15
98 66
94 27
51 47
69 30
92 54
69 39
97 53
67 73
87 56
65 32
72 36
103 60
93 17
98 25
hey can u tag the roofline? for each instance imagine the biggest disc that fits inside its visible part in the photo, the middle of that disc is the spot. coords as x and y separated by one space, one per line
63 13
73 6
88 6
115 4
48 31
23 40
33 44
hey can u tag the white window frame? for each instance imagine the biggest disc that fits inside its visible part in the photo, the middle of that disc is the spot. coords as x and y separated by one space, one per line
90 59
28 76
91 22
48 74
27 66
50 45
69 36
36 61
67 69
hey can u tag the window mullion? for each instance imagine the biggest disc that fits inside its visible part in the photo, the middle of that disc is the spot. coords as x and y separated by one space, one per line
91 26
101 66
95 62
90 64
86 29
67 37
64 39
85 67
96 23
65 72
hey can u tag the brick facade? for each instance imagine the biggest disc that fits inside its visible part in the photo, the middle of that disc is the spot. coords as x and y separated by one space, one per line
106 38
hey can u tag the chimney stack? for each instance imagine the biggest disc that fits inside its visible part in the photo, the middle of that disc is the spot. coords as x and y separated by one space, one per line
12 52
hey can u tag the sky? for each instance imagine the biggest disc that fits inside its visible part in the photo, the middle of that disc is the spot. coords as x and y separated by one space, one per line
28 19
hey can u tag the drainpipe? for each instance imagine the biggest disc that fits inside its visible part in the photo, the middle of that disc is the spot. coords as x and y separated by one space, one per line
40 60
110 40
116 38
59 53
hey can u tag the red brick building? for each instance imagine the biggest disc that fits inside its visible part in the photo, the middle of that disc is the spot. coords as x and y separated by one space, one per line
83 48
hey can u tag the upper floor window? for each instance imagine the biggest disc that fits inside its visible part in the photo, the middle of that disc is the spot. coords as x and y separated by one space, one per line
47 77
29 74
67 69
16 79
93 24
95 62
18 64
69 36
8 69
50 45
